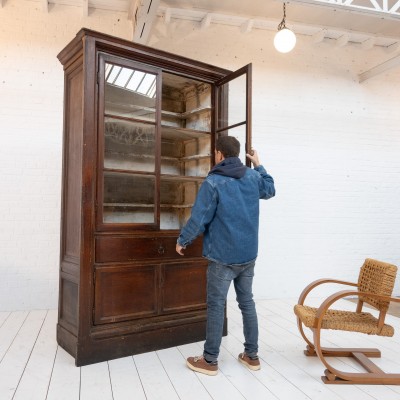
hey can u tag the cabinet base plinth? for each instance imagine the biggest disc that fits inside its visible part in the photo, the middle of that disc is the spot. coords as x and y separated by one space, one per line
93 351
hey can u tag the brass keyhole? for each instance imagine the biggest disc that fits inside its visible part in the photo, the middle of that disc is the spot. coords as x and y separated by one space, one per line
161 249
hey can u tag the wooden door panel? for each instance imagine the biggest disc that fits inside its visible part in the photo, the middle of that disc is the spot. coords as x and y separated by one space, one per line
125 293
184 286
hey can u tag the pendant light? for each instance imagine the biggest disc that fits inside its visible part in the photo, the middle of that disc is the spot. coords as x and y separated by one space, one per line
285 39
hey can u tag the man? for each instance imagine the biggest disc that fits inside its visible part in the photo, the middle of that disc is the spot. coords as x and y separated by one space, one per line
226 211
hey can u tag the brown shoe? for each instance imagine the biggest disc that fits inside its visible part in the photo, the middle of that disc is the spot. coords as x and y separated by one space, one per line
253 364
199 364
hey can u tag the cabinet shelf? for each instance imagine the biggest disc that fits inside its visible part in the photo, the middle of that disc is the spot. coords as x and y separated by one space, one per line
132 173
186 114
194 158
151 157
150 176
141 111
139 205
181 178
177 133
132 131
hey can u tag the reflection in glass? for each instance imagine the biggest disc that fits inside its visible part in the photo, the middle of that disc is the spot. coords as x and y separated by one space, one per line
128 198
233 111
129 92
129 145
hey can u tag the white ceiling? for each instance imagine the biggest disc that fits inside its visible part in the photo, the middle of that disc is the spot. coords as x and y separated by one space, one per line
311 12
367 23
303 16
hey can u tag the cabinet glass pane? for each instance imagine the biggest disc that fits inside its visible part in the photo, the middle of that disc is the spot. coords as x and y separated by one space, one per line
233 111
129 92
129 145
128 198
240 134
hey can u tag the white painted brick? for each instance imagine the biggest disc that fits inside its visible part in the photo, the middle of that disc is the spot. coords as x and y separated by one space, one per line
331 144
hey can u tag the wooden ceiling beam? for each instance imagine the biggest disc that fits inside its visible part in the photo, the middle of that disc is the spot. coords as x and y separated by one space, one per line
205 22
380 69
85 8
145 16
45 5
247 26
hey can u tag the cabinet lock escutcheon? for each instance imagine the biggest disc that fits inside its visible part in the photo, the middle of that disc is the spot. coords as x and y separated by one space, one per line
161 249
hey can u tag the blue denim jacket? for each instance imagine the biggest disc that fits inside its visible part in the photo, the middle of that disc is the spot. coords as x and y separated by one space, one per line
226 211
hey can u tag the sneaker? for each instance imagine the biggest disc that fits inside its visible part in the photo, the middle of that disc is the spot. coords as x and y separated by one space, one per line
199 364
250 363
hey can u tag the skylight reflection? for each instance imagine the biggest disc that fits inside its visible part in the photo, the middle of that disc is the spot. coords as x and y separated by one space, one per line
130 79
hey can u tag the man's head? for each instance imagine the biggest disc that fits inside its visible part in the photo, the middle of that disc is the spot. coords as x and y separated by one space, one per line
226 146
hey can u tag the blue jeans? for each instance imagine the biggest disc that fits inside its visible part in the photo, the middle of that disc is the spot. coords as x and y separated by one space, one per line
219 278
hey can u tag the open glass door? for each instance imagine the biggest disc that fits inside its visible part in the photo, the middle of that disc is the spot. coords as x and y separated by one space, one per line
233 108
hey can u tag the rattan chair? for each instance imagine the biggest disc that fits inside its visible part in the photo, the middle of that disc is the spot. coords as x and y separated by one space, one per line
374 287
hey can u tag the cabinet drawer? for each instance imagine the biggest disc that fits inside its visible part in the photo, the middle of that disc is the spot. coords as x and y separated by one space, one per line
122 249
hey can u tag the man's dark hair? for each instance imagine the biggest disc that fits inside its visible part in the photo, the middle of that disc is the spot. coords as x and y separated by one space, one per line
229 146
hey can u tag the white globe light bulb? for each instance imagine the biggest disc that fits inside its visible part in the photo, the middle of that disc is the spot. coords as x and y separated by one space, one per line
284 40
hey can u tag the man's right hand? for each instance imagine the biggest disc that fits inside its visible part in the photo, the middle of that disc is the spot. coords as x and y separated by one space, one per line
253 157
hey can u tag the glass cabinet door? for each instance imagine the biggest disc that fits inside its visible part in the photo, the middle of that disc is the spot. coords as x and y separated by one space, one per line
128 142
155 143
233 108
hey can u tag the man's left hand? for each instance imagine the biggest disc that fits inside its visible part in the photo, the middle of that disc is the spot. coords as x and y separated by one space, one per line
179 249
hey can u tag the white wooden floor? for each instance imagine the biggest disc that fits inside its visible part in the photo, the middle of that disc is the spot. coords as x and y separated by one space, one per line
32 366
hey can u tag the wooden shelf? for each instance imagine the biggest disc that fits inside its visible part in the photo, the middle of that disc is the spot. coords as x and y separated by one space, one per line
140 205
129 133
177 133
182 178
151 176
131 108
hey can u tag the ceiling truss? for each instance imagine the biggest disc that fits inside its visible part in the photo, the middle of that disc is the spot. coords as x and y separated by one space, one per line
317 34
390 7
247 24
144 13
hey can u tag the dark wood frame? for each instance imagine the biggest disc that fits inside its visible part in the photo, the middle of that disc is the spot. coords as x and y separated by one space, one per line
87 246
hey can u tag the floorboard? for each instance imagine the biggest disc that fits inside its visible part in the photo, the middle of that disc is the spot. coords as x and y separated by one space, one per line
125 380
34 367
39 367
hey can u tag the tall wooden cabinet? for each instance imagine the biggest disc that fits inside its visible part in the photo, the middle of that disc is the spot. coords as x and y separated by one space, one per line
139 131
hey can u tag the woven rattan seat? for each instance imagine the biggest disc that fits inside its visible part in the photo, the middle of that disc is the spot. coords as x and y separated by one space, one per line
374 287
343 321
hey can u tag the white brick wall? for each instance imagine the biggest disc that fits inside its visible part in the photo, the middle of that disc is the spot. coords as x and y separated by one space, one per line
31 113
331 144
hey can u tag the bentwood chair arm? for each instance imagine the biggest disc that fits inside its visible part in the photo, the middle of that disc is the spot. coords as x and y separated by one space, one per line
318 282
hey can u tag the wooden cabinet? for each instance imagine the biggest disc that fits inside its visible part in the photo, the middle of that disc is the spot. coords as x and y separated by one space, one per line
139 131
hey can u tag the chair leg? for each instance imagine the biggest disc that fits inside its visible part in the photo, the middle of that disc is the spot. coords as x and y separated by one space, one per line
373 376
310 349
